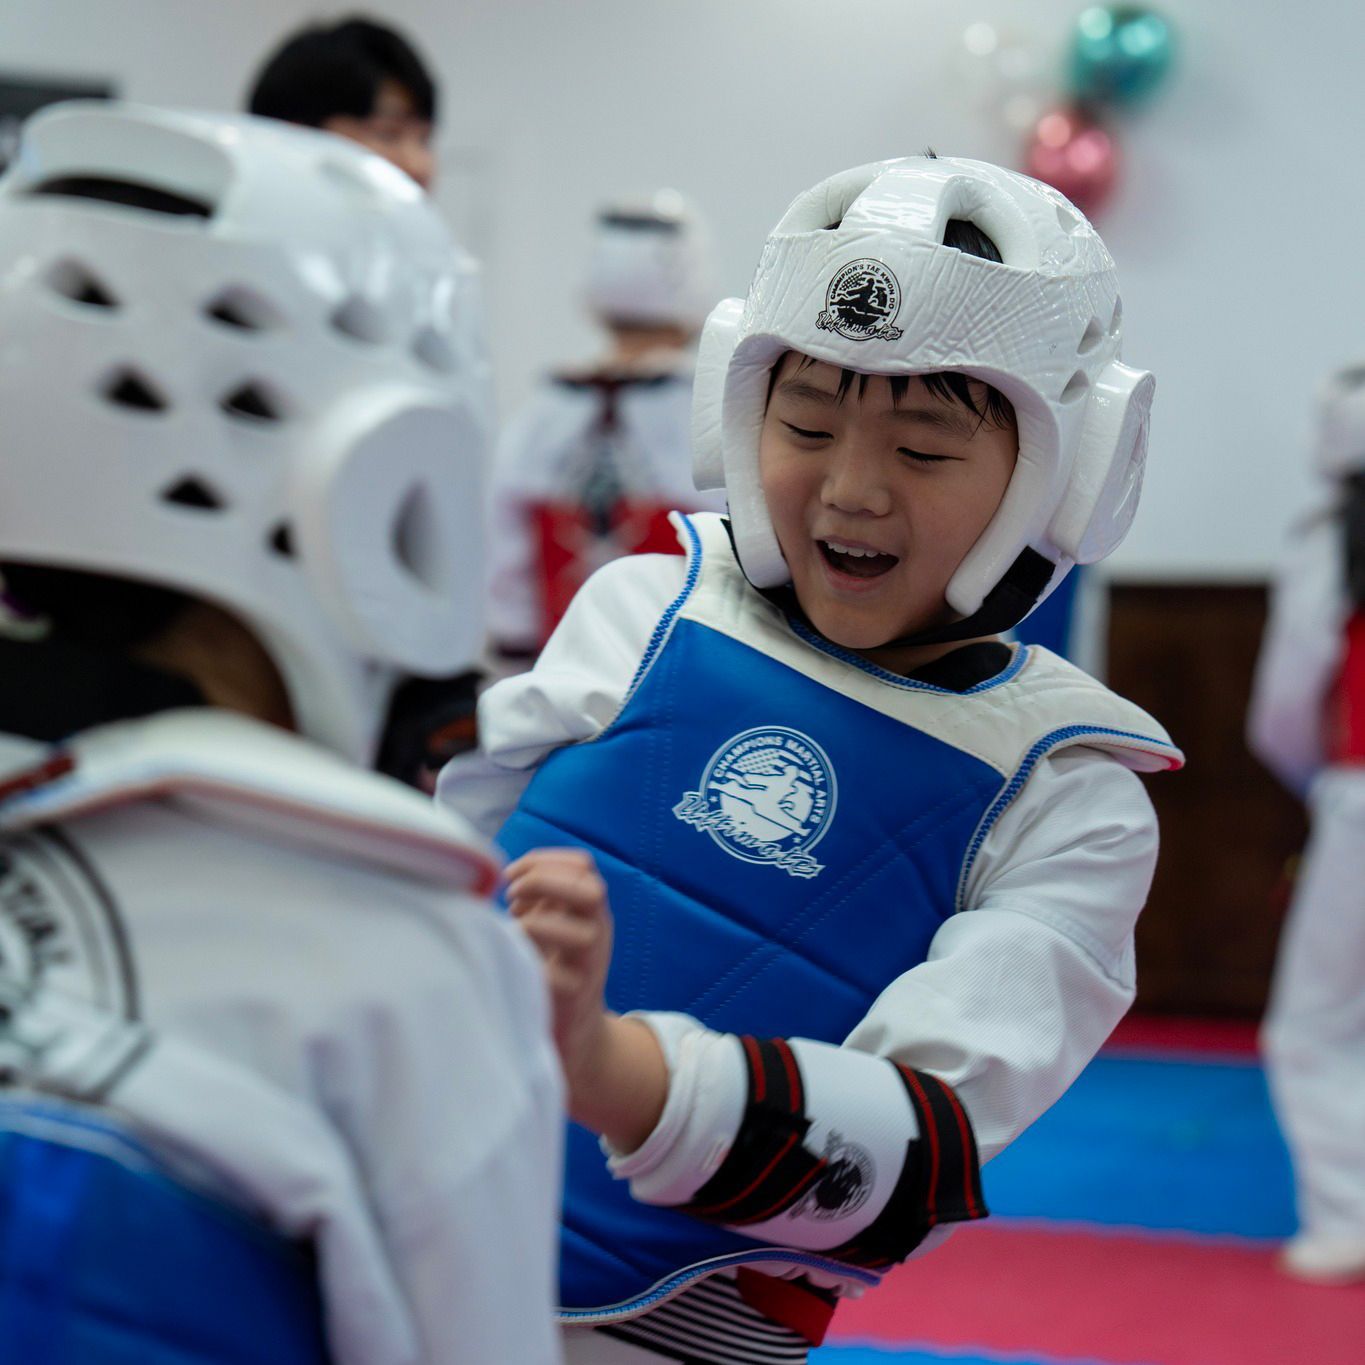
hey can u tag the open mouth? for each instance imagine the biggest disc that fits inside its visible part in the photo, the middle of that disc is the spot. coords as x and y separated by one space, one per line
856 561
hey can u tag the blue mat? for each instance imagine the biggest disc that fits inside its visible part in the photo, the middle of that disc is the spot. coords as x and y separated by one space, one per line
1157 1144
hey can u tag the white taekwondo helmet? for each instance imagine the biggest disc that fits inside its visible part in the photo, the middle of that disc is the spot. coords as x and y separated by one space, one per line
856 274
259 380
650 263
1341 423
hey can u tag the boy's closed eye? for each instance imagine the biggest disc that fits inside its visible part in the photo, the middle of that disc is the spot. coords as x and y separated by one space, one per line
917 456
924 457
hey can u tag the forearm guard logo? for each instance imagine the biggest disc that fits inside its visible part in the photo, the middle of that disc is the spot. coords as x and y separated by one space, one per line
844 1186
767 796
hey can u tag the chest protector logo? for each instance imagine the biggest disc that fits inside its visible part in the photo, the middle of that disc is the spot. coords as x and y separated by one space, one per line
767 796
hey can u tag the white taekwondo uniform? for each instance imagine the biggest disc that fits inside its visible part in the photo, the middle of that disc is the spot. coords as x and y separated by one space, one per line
285 968
1019 988
1306 721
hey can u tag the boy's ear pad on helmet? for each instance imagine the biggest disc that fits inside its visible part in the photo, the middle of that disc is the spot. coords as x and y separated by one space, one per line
1102 495
1341 423
714 351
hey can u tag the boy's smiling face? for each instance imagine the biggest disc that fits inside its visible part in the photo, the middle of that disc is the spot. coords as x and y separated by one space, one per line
876 502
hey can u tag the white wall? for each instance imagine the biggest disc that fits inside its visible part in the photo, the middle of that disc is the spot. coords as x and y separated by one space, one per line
1234 227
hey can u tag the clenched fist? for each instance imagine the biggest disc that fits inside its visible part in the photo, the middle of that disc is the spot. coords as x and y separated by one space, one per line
614 1067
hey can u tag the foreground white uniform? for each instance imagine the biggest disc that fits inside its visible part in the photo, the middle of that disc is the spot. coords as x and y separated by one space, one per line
1314 1032
295 980
1015 996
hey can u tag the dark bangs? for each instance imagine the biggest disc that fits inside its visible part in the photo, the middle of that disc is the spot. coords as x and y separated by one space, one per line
993 409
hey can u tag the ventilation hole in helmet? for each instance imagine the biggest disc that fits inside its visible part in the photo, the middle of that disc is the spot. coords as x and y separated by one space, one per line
1352 378
640 220
128 389
243 309
79 283
1093 335
434 350
416 543
281 540
1067 218
192 491
1116 320
1076 387
131 194
254 401
971 239
359 318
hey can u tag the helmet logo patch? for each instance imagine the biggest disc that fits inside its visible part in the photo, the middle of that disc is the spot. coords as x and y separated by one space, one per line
766 796
861 302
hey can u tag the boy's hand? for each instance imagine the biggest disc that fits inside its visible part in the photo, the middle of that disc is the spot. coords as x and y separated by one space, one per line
560 901
616 1075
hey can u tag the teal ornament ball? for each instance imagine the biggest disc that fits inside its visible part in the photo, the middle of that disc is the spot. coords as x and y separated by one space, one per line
1120 54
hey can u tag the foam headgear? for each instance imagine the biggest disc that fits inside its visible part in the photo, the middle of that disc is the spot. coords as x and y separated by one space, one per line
245 360
650 264
857 274
1341 423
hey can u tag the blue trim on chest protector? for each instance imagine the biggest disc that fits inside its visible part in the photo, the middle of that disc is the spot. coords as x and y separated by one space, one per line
883 812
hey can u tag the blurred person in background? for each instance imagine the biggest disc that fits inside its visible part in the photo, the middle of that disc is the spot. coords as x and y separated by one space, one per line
231 528
360 80
590 469
1307 724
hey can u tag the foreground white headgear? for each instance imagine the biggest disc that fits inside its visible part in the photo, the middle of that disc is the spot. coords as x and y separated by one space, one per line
259 381
856 274
1341 423
651 264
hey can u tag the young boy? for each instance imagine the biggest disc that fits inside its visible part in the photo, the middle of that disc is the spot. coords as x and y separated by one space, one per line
1307 724
874 874
590 470
226 520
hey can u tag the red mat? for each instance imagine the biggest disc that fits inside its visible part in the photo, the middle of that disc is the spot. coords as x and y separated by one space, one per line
1081 1294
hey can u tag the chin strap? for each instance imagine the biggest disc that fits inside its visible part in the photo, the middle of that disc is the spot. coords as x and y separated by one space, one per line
1012 598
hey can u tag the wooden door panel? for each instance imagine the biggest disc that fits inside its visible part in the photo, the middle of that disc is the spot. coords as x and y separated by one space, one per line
1206 942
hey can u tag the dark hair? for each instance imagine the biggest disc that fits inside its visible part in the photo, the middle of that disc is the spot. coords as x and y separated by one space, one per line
995 409
322 72
93 609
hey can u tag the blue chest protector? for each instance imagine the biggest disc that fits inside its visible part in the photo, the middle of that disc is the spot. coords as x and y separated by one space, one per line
106 1260
776 853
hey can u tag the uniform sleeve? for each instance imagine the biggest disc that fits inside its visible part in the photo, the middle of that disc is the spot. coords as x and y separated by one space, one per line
955 1058
1300 655
573 692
